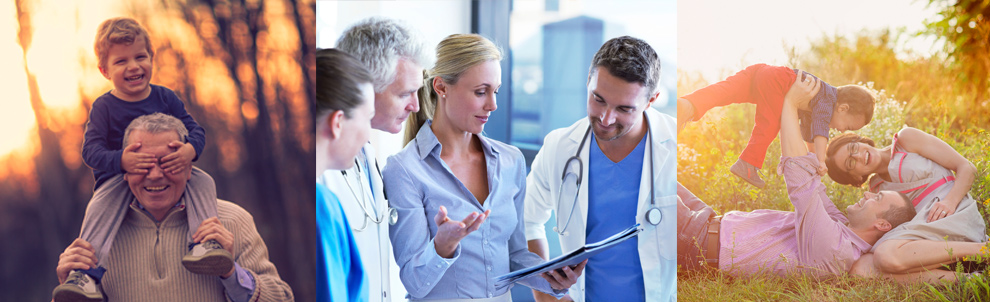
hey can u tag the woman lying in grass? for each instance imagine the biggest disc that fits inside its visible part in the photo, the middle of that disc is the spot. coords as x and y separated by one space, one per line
937 179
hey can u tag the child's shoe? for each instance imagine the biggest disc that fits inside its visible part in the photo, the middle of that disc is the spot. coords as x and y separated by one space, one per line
208 258
748 173
78 287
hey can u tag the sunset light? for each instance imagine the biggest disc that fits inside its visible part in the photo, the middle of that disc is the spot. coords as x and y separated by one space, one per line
238 68
16 117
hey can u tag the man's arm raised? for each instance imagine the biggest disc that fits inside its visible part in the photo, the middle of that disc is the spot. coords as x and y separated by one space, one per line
791 142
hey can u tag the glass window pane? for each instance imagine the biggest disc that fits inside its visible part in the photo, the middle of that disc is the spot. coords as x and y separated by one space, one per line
552 44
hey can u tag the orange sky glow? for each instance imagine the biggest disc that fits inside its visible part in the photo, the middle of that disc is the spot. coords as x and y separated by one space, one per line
60 57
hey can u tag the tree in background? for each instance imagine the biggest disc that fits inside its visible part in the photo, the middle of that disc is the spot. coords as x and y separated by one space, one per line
966 31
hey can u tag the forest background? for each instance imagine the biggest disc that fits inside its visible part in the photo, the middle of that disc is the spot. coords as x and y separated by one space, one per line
243 69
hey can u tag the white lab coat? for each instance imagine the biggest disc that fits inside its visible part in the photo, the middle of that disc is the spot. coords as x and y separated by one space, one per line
657 244
373 242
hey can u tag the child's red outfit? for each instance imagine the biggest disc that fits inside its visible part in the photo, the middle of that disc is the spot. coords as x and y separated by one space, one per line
765 86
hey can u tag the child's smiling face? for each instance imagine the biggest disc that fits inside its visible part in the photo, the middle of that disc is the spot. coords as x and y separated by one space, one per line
129 68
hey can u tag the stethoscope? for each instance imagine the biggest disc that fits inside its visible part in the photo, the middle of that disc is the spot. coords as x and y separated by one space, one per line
653 215
372 214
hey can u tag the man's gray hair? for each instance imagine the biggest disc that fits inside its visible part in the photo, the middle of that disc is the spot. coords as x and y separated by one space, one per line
156 123
379 43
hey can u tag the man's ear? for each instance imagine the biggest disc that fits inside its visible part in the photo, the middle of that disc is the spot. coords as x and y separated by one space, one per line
882 225
652 100
841 107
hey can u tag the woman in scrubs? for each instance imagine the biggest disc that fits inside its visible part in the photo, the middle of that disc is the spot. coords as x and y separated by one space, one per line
343 109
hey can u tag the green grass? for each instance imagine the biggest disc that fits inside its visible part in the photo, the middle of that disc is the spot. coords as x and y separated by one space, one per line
707 148
716 286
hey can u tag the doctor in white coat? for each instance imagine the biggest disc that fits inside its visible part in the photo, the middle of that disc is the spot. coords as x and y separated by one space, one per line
620 128
394 54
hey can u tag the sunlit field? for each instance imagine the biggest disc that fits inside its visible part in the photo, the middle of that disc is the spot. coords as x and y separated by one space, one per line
921 91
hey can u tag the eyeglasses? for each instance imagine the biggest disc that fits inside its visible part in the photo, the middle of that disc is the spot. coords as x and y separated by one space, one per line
853 149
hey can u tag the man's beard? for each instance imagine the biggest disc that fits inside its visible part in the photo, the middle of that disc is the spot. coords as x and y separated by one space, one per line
619 130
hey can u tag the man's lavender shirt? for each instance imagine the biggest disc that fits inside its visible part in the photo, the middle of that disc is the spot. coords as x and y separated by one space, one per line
110 116
812 239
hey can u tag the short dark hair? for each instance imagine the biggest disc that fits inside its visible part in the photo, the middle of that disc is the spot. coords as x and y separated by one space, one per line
630 59
338 76
839 176
899 215
861 101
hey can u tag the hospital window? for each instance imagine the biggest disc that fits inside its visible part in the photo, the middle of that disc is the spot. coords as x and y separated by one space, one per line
549 46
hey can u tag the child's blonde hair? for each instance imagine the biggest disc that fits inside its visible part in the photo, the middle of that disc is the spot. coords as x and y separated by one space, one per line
119 30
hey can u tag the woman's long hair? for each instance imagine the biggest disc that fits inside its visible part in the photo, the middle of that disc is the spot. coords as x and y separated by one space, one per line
455 54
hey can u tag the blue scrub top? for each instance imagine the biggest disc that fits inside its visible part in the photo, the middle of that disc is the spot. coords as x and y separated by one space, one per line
613 192
339 275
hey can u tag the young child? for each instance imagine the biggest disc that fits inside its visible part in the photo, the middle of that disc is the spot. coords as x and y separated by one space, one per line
125 55
844 108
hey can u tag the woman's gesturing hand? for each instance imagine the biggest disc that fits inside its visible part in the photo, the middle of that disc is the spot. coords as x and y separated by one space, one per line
450 232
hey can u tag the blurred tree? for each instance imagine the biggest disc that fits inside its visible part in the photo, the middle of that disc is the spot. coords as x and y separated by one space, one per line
56 216
244 42
966 31
934 94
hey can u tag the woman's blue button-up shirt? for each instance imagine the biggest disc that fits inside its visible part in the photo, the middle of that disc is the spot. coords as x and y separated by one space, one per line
418 182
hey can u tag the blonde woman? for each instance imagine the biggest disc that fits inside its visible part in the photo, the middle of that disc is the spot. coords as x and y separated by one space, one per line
460 194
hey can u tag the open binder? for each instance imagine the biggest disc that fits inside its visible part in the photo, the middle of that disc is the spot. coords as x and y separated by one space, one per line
573 258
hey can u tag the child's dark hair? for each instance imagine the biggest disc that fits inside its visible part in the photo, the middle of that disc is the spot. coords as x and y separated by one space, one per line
119 30
861 101
338 77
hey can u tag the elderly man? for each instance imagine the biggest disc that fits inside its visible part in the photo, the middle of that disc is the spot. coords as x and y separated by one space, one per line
145 260
394 54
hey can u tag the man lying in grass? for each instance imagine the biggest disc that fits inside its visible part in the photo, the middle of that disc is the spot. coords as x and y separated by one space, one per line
815 238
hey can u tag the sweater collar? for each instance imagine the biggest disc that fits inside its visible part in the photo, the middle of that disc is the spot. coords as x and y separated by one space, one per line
140 216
